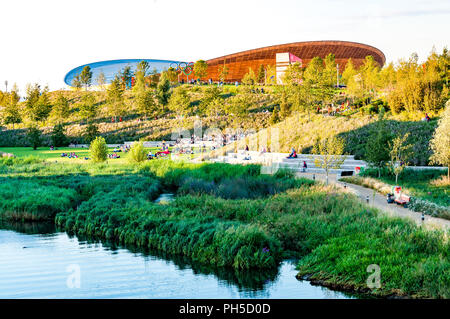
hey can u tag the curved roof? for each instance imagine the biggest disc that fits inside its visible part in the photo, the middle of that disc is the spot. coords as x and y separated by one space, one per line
112 67
239 63
306 51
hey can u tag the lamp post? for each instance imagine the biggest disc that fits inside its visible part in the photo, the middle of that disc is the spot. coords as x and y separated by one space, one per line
337 75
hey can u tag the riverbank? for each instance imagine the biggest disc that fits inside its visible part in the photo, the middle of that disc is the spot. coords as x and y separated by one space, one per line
231 216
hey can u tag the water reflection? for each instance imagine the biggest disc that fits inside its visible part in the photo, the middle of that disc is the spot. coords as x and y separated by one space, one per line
34 258
245 280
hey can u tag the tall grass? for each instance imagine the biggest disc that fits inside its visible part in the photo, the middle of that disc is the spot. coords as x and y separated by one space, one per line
270 218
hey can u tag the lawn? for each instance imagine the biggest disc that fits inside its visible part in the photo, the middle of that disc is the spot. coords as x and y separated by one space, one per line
46 154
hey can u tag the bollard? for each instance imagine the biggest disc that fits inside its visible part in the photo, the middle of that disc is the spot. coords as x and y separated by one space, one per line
423 217
345 185
367 199
314 177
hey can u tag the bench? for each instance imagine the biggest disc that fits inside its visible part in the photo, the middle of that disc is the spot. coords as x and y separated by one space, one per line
346 173
402 200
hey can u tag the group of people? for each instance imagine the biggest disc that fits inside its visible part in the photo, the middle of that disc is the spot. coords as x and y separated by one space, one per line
293 154
258 90
69 155
123 148
113 156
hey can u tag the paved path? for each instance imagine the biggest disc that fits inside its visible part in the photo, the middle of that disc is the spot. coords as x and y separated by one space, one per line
379 201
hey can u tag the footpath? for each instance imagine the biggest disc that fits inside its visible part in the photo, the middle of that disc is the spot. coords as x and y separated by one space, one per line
377 200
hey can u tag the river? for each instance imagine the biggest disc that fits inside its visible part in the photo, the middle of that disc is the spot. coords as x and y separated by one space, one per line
38 261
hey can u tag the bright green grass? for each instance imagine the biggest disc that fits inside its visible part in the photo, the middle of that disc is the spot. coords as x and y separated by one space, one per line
55 155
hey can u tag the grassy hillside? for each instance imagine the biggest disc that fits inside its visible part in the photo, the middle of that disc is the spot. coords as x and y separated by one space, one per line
300 131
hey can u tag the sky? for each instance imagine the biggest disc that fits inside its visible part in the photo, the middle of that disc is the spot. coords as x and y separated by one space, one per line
42 40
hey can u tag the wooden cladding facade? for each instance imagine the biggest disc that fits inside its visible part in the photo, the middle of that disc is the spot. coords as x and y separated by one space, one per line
238 64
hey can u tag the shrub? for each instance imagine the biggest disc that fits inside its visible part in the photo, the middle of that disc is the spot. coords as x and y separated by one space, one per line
137 153
98 150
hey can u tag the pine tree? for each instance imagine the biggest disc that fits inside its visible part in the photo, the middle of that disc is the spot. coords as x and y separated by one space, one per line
60 110
261 74
377 146
114 98
34 136
58 136
86 77
163 90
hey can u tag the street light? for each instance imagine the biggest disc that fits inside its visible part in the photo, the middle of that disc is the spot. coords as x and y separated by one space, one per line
337 75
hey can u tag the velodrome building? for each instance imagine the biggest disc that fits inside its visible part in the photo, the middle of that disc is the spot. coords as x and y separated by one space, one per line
239 63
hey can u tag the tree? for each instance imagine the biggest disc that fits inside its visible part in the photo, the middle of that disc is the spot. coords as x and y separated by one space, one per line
249 78
275 117
211 101
126 76
285 106
37 103
200 69
349 71
145 102
60 110
58 136
370 75
440 143
377 146
400 152
11 113
329 72
172 75
101 80
293 74
238 106
179 102
88 107
34 136
114 98
98 150
261 76
91 132
223 72
86 77
331 150
141 72
314 72
76 82
137 153
163 90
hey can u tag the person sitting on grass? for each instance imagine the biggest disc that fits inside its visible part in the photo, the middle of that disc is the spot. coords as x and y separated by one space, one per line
63 154
149 155
293 154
